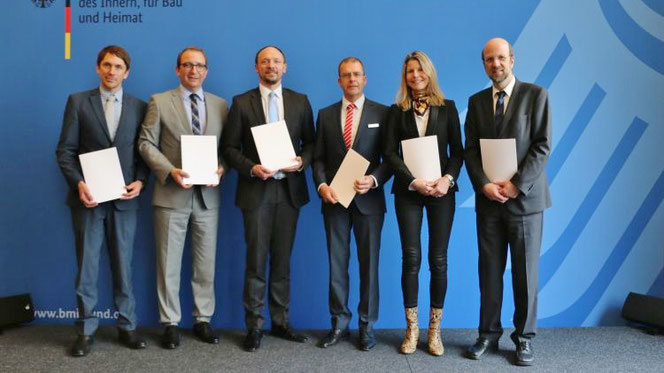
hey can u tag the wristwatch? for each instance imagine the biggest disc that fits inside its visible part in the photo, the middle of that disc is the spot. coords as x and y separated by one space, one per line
451 178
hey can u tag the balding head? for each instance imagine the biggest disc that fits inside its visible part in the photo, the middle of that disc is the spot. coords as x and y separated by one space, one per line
498 59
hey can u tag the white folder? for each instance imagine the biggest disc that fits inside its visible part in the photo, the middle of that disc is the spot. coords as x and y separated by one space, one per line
199 159
274 146
352 168
103 174
420 155
499 158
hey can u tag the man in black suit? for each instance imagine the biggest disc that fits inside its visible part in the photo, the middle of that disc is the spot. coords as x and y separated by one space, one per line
97 119
509 212
270 199
352 123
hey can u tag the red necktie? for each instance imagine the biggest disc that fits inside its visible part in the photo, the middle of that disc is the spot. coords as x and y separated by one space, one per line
348 126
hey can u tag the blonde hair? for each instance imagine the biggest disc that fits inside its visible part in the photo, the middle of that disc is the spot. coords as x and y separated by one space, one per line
404 97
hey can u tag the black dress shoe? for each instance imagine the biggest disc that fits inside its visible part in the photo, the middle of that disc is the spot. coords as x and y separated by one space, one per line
82 345
367 339
524 354
479 348
171 337
333 337
204 332
130 339
253 340
285 332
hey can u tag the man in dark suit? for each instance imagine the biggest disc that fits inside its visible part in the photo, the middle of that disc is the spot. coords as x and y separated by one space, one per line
98 119
180 207
270 199
360 130
509 212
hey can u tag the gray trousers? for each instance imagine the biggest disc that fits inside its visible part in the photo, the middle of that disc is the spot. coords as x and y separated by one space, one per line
95 228
170 230
523 234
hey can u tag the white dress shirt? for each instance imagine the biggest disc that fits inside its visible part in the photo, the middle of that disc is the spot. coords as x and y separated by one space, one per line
357 114
421 121
508 93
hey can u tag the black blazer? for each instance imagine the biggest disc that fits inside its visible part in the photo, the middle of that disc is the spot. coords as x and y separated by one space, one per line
84 130
528 120
443 123
240 152
330 151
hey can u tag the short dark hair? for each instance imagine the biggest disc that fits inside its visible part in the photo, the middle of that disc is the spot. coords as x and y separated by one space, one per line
196 49
117 51
264 48
349 59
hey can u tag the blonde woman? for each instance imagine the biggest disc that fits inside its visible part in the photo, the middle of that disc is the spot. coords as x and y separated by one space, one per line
422 110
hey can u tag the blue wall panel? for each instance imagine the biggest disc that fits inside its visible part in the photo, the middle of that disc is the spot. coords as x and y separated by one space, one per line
601 61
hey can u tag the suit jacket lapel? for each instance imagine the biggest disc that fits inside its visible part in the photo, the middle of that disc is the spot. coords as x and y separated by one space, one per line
95 101
510 108
178 105
289 116
432 124
411 125
336 132
121 125
257 106
361 126
211 117
487 109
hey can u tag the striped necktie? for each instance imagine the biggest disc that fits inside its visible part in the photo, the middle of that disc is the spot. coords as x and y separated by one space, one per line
195 122
348 126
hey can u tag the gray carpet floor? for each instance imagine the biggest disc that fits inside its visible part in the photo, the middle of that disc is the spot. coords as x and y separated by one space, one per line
41 348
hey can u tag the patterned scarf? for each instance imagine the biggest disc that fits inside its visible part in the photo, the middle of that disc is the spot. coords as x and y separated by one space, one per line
420 104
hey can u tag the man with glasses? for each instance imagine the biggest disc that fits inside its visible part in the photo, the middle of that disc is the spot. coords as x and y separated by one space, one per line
270 199
94 120
178 206
355 123
509 212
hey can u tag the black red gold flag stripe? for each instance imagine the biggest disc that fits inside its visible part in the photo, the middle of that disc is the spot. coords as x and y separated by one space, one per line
67 30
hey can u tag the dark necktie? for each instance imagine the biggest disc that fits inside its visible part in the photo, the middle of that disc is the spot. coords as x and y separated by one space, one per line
500 109
195 122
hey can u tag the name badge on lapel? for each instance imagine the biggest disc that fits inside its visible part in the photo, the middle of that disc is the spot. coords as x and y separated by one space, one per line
373 125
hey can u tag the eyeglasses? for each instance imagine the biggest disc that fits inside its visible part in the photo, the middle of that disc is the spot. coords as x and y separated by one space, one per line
354 74
198 66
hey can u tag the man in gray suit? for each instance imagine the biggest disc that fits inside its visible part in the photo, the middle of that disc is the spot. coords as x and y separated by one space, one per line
355 123
509 212
98 119
270 199
186 110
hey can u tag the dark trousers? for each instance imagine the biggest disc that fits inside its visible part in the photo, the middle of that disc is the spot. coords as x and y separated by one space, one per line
523 234
94 229
338 223
269 232
440 214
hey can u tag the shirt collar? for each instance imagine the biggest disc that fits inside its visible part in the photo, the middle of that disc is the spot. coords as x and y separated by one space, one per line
358 103
265 91
106 94
186 93
508 90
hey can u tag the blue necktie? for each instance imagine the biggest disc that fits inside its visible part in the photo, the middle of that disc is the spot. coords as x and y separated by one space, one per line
500 110
272 111
273 116
195 122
